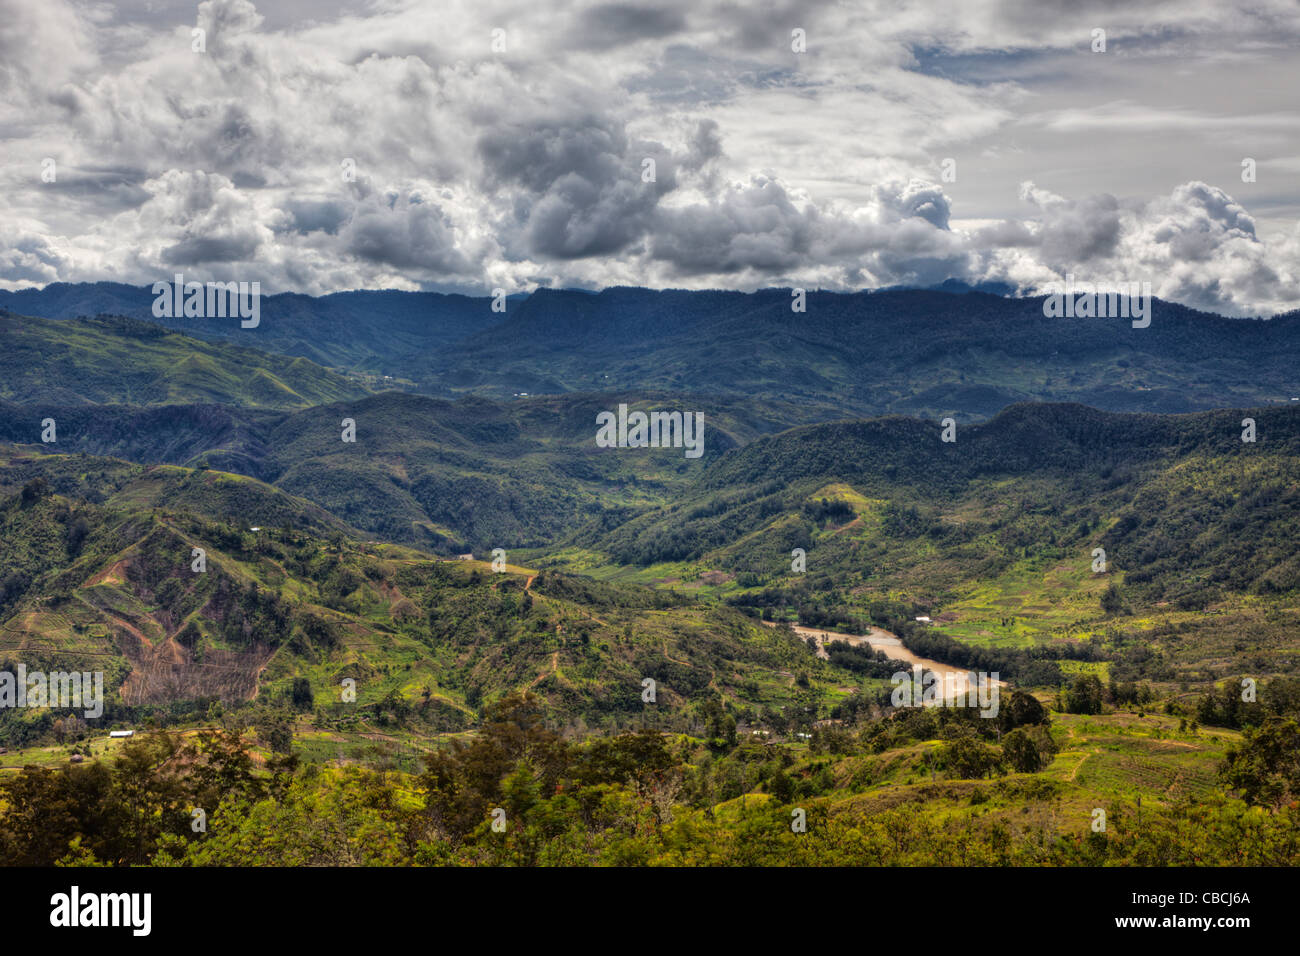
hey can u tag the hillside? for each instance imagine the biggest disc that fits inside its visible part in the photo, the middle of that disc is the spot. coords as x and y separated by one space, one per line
112 581
902 351
123 361
913 352
914 789
993 537
364 331
452 475
477 689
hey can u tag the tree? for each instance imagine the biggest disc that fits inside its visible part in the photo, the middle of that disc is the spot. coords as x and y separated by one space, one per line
34 491
78 528
276 728
781 787
968 758
1084 695
44 810
721 725
302 695
1265 769
219 768
640 758
150 791
464 783
1021 709
1020 751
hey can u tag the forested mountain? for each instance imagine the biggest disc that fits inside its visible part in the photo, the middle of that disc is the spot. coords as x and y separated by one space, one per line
369 331
99 559
997 535
1103 564
447 474
115 360
926 352
923 352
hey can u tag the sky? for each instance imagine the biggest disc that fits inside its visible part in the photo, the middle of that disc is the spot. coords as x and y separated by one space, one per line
471 146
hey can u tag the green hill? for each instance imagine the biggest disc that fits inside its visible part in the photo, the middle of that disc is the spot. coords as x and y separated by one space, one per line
913 352
451 475
993 538
129 362
110 582
477 689
900 351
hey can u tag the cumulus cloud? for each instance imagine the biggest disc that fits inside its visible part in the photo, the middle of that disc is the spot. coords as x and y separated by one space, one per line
615 24
27 258
573 185
42 47
396 146
1070 233
405 232
196 217
1196 245
753 225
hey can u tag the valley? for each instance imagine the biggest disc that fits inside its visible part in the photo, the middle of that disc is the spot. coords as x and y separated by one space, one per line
645 676
954 683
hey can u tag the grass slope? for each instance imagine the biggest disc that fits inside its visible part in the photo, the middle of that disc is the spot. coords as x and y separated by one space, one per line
123 361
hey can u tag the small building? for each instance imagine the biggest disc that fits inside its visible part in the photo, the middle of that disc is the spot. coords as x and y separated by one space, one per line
121 733
464 557
923 620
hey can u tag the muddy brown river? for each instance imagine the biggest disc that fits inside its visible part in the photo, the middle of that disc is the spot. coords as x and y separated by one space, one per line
954 680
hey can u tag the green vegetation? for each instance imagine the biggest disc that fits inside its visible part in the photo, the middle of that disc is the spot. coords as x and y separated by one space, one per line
993 538
628 690
125 361
910 352
917 788
288 610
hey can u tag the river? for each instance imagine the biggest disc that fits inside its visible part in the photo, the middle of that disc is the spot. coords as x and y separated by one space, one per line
954 680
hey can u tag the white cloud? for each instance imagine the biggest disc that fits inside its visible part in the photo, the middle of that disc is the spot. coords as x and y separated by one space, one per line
475 169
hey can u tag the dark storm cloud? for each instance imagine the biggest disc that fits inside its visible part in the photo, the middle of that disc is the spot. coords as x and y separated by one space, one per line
106 190
612 24
705 145
535 153
754 227
204 249
325 215
577 183
759 227
405 232
1080 231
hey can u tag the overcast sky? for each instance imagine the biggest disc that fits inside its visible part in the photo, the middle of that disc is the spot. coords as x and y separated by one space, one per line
477 169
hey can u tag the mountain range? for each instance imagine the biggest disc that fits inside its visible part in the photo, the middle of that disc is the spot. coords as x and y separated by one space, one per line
377 454
920 352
